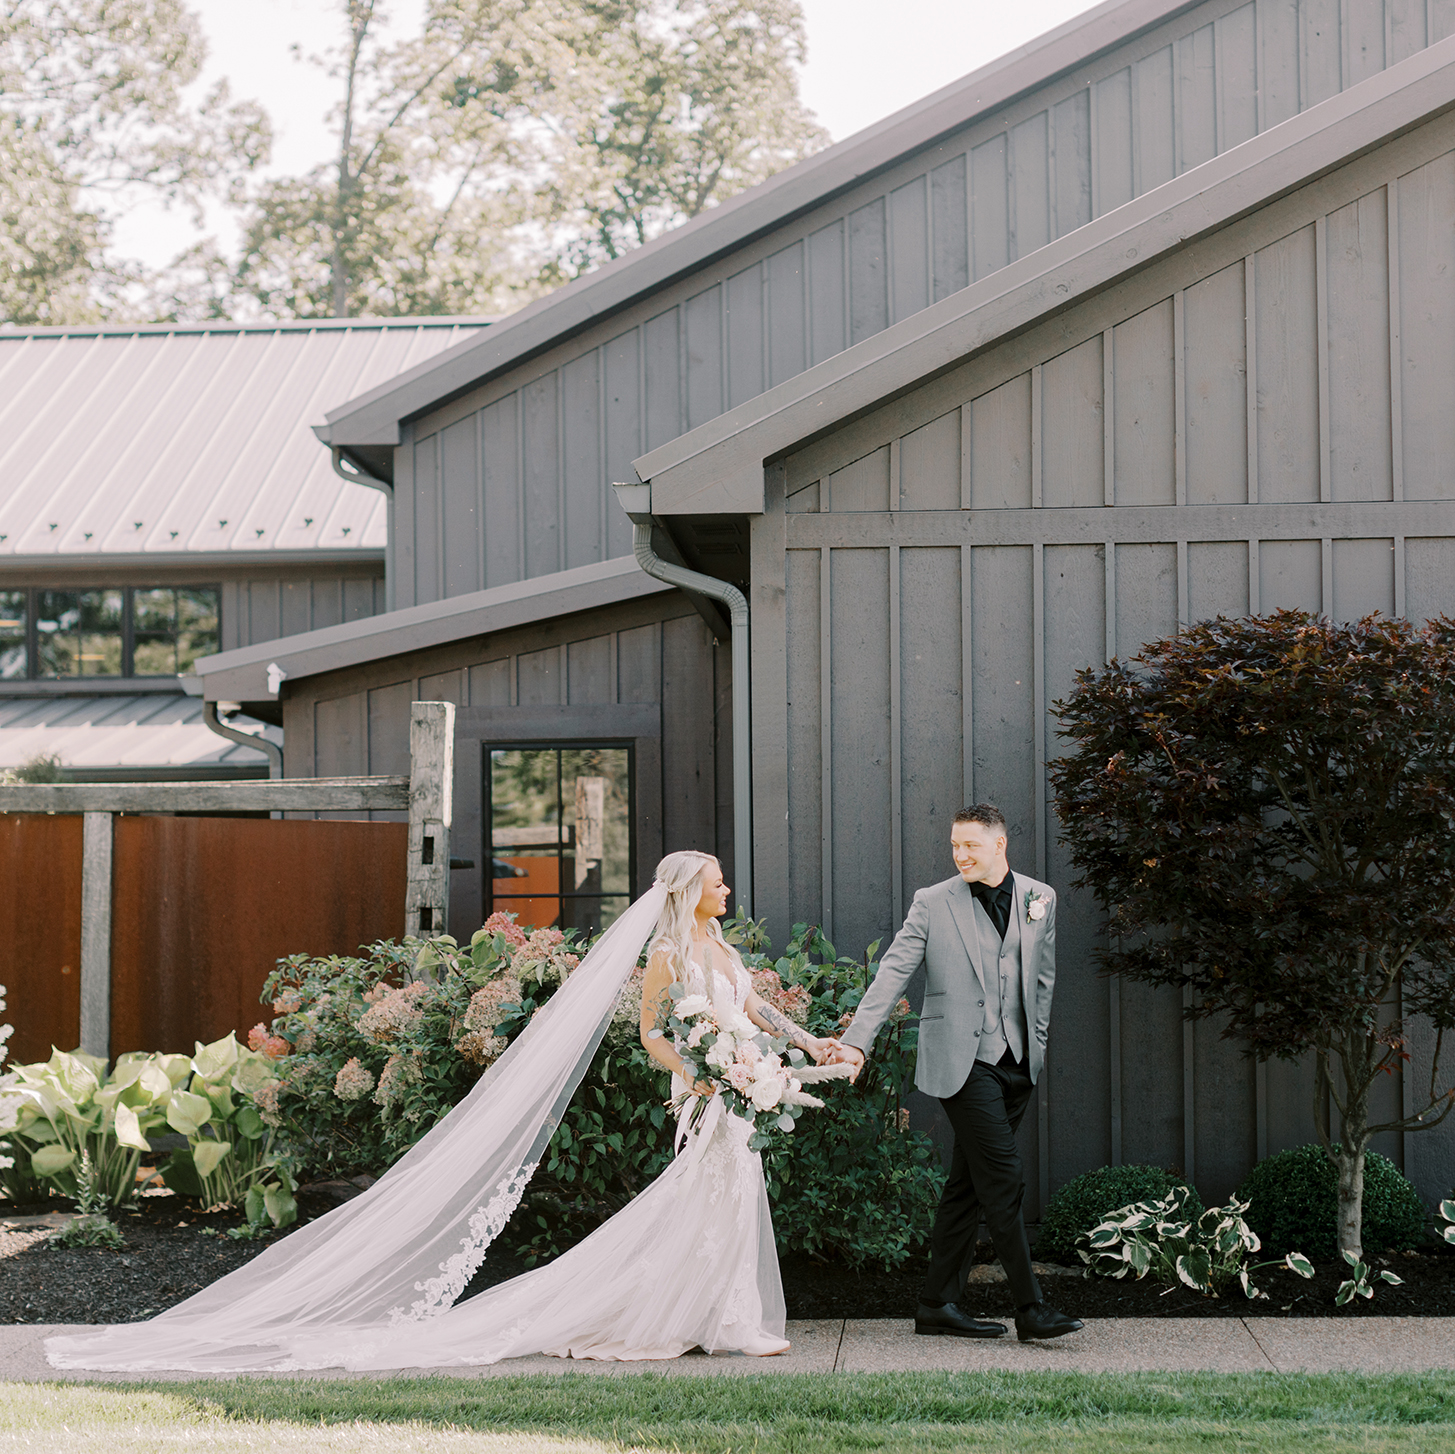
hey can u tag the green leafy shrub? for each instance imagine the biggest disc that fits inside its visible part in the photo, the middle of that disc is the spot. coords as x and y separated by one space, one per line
377 1048
1088 1199
1294 1202
1173 1242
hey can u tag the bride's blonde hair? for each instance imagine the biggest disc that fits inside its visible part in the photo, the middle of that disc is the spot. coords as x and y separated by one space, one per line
681 875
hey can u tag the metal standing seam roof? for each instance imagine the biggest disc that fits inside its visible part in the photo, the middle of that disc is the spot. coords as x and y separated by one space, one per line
371 417
178 440
121 732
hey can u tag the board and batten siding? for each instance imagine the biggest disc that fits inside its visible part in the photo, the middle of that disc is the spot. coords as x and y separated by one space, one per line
1261 421
656 651
513 480
267 606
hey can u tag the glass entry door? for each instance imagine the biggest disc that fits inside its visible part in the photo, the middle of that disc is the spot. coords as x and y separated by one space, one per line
558 833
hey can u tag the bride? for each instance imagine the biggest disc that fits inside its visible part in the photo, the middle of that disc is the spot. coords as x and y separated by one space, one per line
688 1263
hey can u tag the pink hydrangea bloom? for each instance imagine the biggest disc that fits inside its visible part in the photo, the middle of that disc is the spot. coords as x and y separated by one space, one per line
501 922
273 1046
353 1082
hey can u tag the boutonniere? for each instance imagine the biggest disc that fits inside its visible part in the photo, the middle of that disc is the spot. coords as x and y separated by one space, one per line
1036 906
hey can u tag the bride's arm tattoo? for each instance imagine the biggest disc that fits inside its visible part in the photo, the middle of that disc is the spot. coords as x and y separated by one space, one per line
780 1022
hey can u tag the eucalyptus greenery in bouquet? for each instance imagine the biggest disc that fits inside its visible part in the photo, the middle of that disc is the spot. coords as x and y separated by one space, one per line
744 1064
1165 1239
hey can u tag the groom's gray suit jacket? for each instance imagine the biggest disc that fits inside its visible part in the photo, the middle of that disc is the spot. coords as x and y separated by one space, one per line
942 932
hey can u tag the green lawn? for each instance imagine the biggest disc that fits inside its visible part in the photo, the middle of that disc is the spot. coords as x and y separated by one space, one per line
791 1413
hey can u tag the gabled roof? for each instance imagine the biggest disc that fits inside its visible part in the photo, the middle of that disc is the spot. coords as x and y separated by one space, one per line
717 468
371 420
171 441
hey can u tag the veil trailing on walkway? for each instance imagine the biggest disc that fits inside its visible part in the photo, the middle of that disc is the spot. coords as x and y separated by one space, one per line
404 1250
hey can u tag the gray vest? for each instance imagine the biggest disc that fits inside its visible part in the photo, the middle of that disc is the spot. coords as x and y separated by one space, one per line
1005 1010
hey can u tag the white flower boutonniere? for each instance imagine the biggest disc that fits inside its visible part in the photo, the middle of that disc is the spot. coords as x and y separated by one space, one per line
1036 906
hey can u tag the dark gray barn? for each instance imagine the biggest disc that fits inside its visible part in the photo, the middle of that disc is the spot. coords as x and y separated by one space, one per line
1149 323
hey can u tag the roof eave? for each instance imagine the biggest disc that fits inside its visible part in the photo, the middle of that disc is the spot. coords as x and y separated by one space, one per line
373 418
243 675
717 468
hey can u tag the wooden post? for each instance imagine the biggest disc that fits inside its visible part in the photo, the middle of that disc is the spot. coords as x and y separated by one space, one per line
431 785
96 840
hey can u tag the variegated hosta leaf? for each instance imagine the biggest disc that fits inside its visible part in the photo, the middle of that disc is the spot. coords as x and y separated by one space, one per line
1141 1258
1447 1210
1105 1237
1391 1278
1450 1234
1297 1262
1345 1293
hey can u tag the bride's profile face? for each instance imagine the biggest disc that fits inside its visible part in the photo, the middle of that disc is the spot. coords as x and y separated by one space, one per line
714 900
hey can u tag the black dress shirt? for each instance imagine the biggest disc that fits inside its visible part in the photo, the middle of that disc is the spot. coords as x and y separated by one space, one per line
995 899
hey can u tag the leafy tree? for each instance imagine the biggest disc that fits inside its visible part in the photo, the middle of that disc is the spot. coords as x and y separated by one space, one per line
515 143
1265 808
91 111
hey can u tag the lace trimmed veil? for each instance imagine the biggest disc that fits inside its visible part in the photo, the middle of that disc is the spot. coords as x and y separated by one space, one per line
404 1250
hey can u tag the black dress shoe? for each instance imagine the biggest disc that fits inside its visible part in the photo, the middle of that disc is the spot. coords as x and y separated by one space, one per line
1041 1320
949 1322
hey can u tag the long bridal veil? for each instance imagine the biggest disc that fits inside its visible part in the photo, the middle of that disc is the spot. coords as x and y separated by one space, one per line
404 1250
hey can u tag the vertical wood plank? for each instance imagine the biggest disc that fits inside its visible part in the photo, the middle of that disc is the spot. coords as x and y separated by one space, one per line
96 877
1179 397
786 315
746 340
582 490
826 739
909 248
827 319
867 273
1038 640
1108 417
1250 356
1396 373
662 397
1321 283
967 676
896 745
989 208
949 212
431 815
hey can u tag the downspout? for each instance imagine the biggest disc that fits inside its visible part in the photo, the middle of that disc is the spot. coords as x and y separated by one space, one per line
248 739
355 476
636 501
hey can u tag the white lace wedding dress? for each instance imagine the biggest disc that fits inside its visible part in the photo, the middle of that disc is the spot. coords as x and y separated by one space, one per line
690 1262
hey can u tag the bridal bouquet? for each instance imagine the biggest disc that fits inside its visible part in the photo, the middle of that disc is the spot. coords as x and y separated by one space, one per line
759 1077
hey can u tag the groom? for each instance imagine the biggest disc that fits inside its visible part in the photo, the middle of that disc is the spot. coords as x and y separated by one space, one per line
987 939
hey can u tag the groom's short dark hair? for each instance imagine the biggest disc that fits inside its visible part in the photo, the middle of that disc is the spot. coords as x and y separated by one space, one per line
984 813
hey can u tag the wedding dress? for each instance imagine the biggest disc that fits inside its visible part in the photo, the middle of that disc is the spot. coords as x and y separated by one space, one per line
690 1262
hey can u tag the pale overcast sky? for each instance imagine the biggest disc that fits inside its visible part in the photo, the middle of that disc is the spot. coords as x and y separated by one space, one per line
866 59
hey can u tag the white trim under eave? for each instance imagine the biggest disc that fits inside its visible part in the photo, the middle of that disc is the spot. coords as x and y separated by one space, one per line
246 674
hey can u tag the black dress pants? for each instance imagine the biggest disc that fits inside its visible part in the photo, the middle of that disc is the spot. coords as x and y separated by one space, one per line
985 1177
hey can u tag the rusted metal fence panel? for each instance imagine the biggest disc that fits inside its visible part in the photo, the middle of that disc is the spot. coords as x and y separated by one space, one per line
204 907
40 931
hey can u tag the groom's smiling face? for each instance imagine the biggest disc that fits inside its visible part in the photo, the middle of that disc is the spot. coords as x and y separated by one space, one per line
979 853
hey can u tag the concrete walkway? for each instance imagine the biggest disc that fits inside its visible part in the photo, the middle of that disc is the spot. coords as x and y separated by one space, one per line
1110 1345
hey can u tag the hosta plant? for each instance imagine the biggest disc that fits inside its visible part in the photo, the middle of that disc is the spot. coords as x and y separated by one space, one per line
1361 1280
230 1158
1166 1240
1447 1220
68 1105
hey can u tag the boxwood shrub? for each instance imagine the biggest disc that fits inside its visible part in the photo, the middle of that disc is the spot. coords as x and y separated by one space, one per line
1084 1200
1294 1204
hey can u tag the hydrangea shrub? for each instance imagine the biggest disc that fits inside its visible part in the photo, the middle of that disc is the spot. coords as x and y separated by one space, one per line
378 1047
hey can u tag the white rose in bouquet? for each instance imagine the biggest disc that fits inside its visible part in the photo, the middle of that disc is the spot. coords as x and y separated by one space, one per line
691 1005
700 1029
766 1093
721 1054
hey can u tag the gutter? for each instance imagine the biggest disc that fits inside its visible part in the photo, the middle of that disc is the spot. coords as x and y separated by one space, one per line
636 501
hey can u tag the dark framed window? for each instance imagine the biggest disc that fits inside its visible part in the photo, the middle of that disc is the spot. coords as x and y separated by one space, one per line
106 631
559 830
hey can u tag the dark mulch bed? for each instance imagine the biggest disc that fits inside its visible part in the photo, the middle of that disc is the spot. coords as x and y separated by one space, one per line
168 1257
